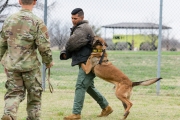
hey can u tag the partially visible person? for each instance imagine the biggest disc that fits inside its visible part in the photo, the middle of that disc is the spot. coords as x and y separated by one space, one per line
78 48
21 36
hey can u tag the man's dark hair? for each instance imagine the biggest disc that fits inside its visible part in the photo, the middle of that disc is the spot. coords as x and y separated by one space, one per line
78 11
27 2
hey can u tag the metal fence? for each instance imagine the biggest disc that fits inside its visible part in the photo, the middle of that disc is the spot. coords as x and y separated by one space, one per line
126 25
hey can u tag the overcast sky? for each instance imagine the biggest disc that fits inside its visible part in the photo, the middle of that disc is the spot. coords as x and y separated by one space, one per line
104 12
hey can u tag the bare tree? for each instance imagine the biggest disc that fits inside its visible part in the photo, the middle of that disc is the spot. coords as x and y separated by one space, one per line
150 43
96 30
4 4
153 40
171 44
59 34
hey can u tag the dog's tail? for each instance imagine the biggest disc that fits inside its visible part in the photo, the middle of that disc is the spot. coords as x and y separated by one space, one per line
146 82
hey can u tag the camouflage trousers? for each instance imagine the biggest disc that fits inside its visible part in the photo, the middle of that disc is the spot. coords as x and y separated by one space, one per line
17 84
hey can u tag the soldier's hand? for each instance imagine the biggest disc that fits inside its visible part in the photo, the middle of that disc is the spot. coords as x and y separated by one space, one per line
49 65
6 71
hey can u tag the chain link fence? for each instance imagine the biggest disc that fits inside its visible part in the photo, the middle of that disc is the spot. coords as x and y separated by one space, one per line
125 25
130 28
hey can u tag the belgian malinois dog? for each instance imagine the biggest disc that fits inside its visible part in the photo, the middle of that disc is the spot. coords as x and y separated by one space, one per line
99 64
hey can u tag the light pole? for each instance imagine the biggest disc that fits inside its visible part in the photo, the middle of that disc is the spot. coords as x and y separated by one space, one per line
159 48
44 67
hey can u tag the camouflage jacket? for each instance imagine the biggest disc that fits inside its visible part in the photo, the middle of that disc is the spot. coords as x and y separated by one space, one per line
21 36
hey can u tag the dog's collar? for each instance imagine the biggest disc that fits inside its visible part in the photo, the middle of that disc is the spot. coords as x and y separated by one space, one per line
96 50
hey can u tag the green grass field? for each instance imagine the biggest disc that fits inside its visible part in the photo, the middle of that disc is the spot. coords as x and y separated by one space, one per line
137 65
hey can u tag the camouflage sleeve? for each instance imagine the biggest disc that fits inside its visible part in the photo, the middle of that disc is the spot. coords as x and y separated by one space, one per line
3 44
43 44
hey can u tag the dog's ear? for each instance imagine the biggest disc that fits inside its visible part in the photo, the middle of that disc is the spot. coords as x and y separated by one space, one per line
95 40
105 44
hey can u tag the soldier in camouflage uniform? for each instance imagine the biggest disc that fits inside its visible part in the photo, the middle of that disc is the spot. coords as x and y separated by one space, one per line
21 36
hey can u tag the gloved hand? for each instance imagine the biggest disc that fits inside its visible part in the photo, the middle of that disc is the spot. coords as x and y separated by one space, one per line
63 55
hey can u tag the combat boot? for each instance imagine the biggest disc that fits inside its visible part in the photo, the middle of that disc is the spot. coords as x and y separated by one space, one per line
6 117
106 111
73 117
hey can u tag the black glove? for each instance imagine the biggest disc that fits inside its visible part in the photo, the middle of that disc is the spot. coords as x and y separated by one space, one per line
61 55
